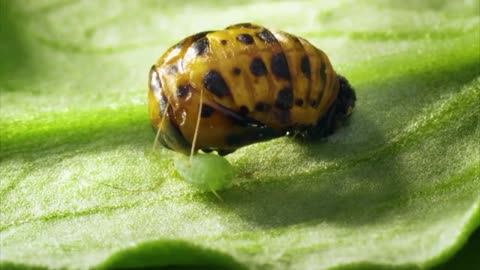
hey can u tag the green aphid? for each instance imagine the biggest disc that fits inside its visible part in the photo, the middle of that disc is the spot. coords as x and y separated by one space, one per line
207 172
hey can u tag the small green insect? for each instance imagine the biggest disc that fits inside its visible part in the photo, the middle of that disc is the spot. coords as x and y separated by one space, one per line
207 172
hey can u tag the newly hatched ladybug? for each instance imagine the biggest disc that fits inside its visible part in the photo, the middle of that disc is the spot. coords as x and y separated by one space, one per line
221 90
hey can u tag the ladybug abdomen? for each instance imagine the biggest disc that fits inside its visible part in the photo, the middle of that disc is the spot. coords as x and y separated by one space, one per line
275 78
250 77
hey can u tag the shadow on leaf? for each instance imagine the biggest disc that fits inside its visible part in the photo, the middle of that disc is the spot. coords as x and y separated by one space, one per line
354 177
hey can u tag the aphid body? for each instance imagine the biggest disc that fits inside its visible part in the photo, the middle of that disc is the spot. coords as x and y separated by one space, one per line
255 85
207 172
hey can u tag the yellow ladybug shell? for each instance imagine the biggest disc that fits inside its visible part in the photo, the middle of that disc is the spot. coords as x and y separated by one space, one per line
257 84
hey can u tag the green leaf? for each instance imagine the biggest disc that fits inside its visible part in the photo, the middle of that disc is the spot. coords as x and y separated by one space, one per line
397 187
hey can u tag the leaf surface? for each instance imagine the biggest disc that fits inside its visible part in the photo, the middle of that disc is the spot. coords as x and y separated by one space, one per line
397 187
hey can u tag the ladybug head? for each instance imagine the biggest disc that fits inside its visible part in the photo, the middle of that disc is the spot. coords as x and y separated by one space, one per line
345 100
168 133
342 108
337 114
171 137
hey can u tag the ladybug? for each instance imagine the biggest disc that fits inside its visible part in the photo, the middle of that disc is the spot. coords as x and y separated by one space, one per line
221 90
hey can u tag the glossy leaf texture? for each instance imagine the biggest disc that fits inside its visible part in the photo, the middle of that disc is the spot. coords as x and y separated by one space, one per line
397 188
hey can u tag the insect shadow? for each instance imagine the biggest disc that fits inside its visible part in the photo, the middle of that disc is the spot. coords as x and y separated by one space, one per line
357 186
360 174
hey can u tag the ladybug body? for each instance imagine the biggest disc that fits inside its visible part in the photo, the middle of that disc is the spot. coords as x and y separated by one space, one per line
254 84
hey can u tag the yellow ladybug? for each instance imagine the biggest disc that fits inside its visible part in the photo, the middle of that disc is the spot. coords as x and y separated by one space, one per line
221 90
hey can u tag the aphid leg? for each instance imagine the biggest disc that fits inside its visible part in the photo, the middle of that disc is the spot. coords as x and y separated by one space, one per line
197 126
216 194
160 125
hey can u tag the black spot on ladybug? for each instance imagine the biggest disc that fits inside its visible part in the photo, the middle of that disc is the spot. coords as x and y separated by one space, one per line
236 71
155 83
179 44
243 110
223 42
323 79
305 66
200 46
243 25
183 90
284 100
323 74
299 102
257 67
279 66
214 82
313 103
262 107
206 111
200 35
245 39
266 36
172 69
